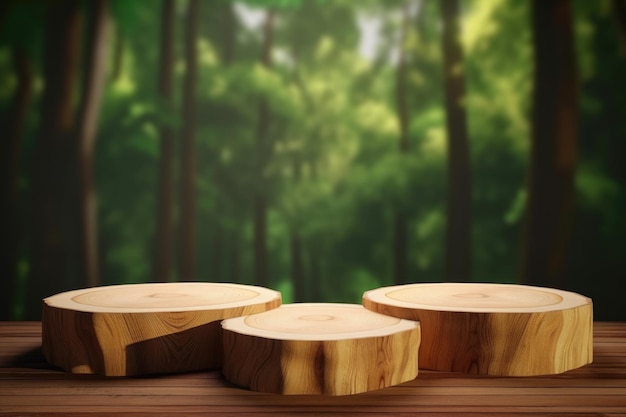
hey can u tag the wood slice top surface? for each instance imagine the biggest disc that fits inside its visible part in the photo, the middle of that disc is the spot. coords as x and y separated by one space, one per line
162 297
477 297
318 321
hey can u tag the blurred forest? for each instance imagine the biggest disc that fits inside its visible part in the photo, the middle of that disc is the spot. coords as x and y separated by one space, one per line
318 147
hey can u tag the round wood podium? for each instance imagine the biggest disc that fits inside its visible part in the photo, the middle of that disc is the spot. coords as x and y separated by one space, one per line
493 329
140 329
319 348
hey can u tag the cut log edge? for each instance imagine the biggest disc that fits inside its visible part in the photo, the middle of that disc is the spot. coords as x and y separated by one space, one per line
65 300
397 325
570 300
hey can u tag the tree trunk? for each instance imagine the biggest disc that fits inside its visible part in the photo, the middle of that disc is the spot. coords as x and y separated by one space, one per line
235 260
188 162
400 275
230 34
619 11
297 267
459 193
311 280
314 248
315 273
5 7
89 113
13 124
297 270
218 266
118 57
549 212
263 153
53 154
162 263
401 96
260 241
216 273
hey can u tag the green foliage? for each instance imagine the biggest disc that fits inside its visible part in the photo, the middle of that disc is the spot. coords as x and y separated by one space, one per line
334 174
276 4
23 26
129 13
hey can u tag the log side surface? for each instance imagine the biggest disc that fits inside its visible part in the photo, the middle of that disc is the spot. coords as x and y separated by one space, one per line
139 329
319 348
31 387
493 329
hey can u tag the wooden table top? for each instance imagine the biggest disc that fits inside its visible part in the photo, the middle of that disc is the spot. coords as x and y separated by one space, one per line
29 387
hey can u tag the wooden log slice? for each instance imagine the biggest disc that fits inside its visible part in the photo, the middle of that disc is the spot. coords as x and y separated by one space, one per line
493 329
140 329
332 349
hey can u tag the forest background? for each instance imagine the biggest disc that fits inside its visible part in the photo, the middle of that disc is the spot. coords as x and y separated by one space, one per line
321 148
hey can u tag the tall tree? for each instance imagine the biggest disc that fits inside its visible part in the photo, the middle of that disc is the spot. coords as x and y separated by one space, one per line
298 277
162 263
99 29
459 191
230 34
297 267
554 148
263 153
188 160
619 11
53 153
400 222
217 264
221 235
303 289
12 124
118 56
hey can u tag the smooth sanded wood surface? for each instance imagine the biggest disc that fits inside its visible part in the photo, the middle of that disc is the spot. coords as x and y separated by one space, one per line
30 387
493 329
319 348
139 329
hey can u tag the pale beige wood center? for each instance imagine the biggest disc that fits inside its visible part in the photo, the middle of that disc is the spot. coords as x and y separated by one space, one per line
468 296
164 296
323 320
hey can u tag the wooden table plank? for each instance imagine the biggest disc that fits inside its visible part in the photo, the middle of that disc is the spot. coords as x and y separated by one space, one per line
31 387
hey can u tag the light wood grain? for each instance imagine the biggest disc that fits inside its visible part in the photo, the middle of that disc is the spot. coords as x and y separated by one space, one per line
333 349
493 329
145 328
